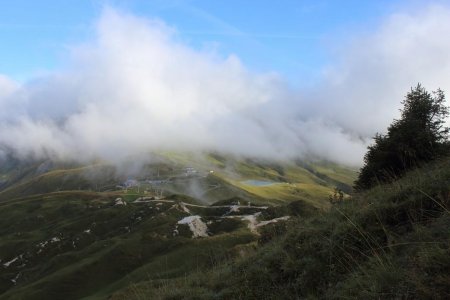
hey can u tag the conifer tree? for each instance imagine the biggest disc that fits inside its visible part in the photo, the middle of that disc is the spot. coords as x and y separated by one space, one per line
420 135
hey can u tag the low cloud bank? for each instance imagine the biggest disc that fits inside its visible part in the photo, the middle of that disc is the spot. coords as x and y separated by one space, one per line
137 88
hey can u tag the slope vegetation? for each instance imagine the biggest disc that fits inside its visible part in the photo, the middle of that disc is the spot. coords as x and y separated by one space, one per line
69 231
390 242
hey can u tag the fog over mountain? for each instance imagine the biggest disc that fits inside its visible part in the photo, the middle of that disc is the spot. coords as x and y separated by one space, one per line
138 87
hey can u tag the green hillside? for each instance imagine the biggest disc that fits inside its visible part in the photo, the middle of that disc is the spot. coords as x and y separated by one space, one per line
391 242
72 231
231 229
215 178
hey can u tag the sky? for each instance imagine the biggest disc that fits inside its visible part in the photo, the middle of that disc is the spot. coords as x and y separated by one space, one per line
85 80
291 37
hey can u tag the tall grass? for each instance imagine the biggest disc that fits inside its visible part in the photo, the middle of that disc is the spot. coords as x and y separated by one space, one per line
391 242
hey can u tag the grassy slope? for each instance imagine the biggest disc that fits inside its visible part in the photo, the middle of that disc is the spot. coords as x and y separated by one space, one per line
38 205
79 178
308 182
390 242
124 244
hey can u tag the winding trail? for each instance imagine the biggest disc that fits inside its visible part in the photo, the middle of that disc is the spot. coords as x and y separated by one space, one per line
200 229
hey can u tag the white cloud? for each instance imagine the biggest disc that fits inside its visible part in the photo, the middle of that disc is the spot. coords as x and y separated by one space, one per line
137 88
376 71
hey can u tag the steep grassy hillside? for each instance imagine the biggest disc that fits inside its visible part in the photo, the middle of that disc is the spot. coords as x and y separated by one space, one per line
391 242
69 231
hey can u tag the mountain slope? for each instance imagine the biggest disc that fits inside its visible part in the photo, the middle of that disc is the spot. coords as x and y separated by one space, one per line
390 242
62 225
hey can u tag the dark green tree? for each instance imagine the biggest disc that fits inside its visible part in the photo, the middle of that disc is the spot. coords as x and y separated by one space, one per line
420 135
